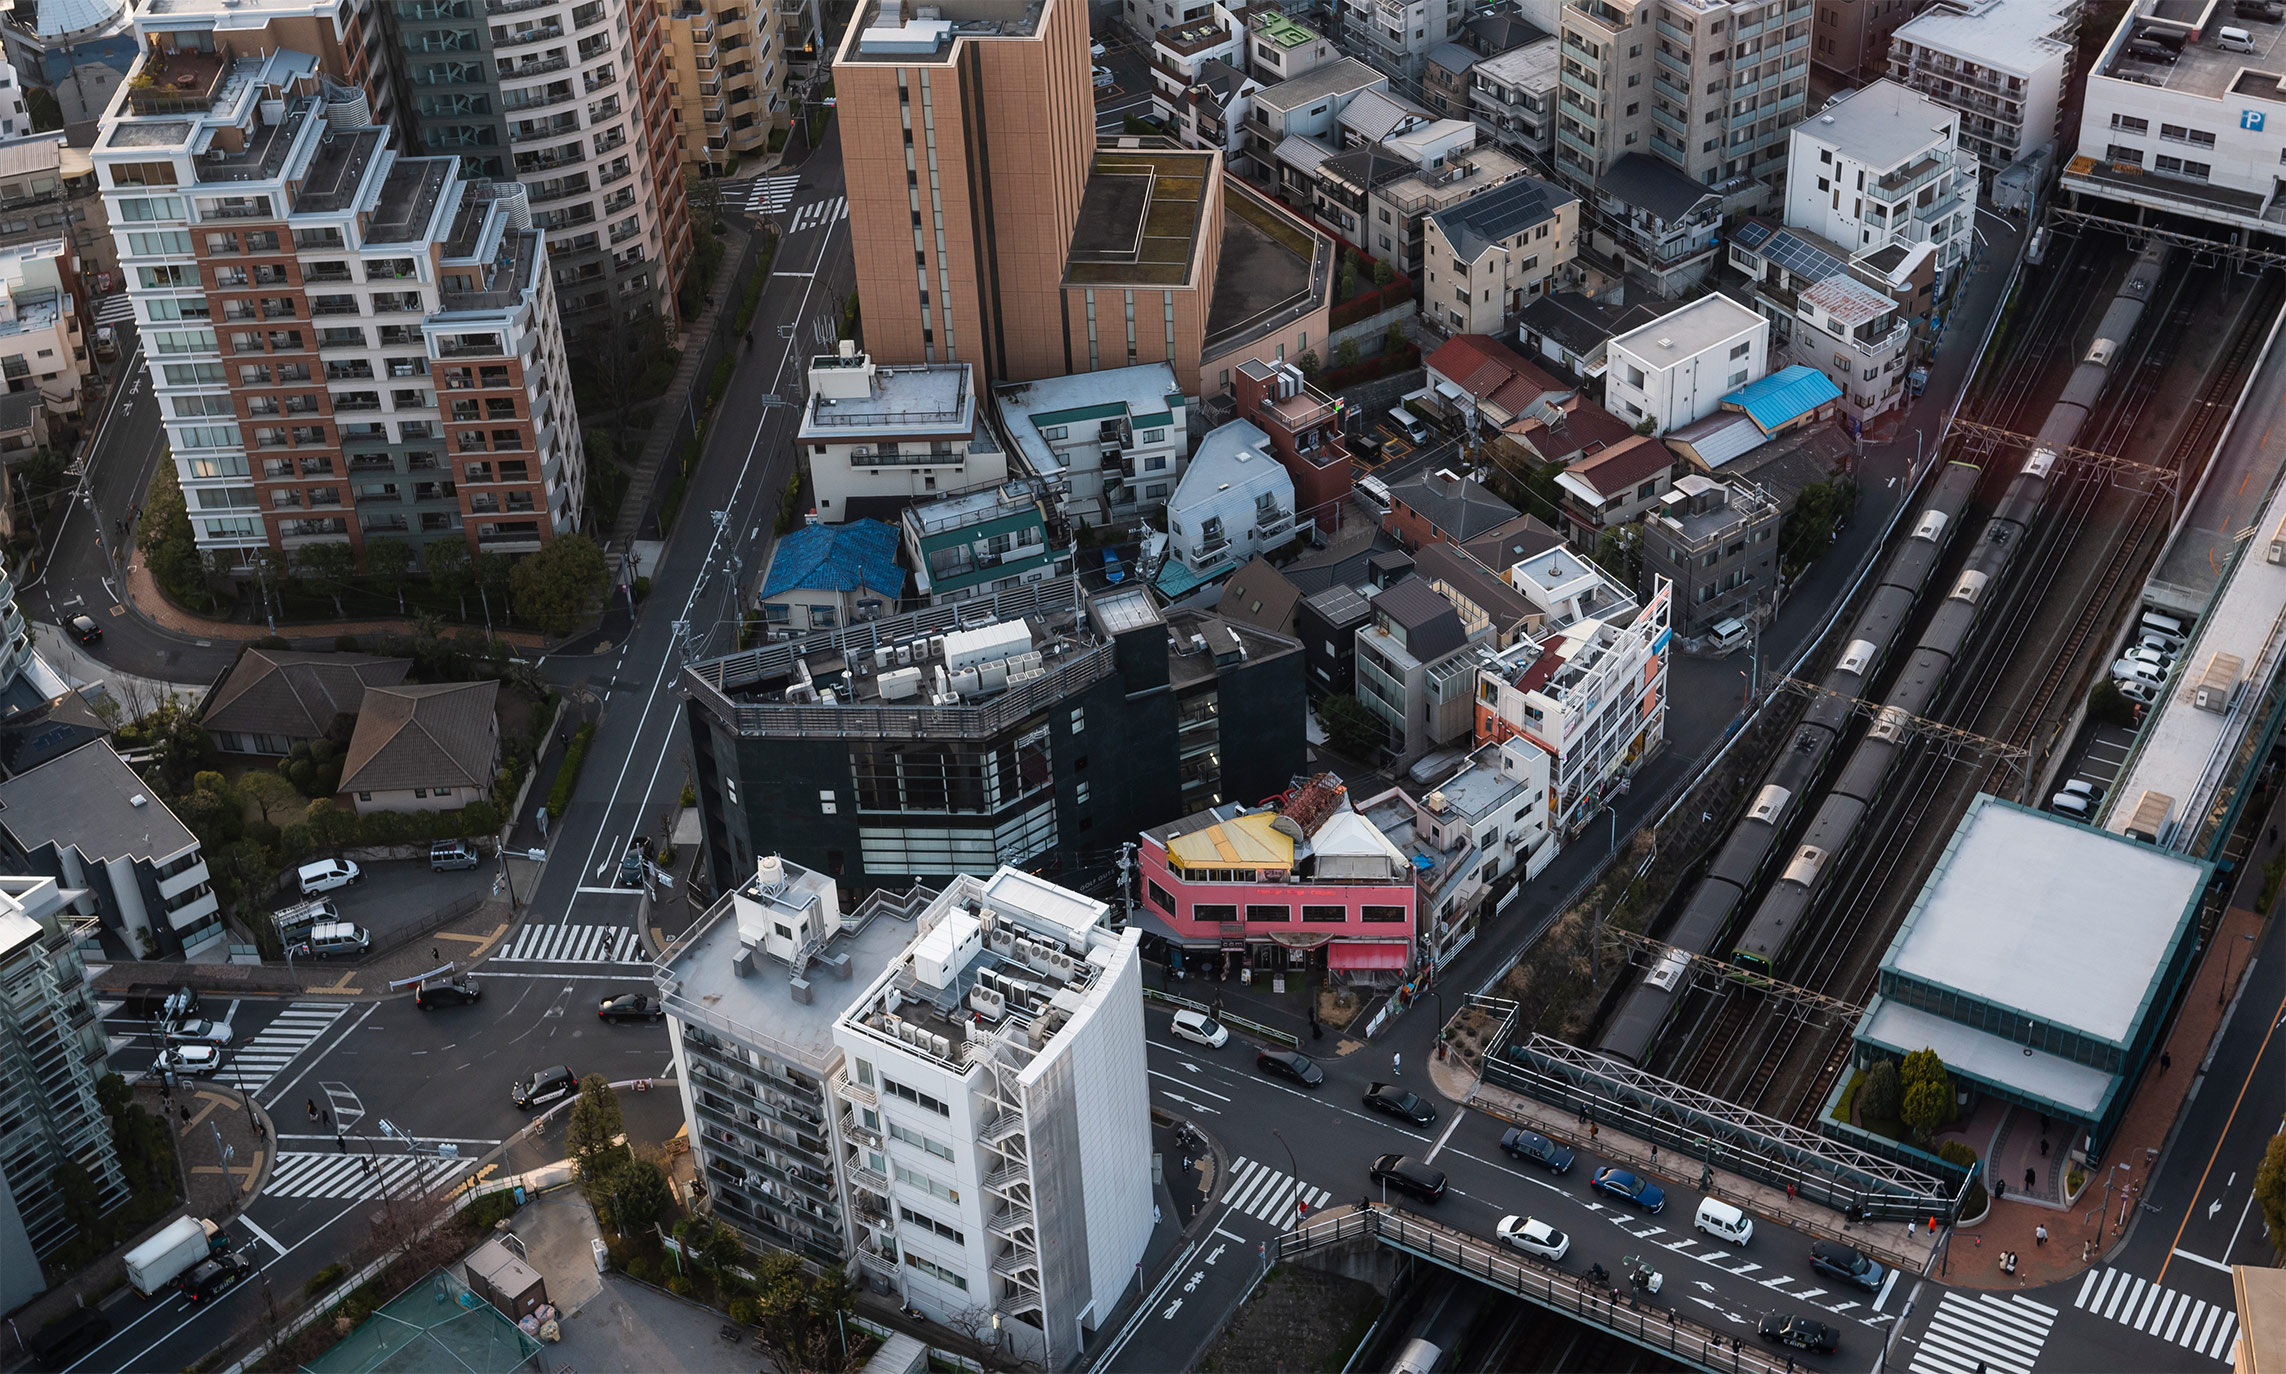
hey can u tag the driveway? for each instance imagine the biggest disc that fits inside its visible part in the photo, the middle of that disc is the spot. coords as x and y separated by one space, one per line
400 894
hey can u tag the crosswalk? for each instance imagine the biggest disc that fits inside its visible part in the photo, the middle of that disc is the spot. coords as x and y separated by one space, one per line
358 1175
117 309
2116 1295
260 1059
1268 1194
818 214
546 944
769 195
1995 1332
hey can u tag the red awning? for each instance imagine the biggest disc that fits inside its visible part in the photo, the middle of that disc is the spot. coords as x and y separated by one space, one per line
1360 954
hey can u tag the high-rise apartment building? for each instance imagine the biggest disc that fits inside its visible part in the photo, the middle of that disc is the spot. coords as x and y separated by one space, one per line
569 97
345 343
967 141
15 640
1710 87
2006 65
52 1051
728 66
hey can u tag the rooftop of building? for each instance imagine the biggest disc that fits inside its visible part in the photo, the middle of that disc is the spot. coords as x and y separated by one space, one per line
889 31
1705 510
1616 470
719 971
1489 372
1572 589
1280 28
861 554
1455 58
1580 324
502 282
1460 506
1882 124
1430 626
1010 955
1849 301
1775 401
1459 576
916 398
408 204
1145 396
1274 269
1465 172
1371 116
1195 36
90 800
1141 217
2017 36
1477 224
1502 33
1688 330
1237 456
1658 189
1531 66
2201 68
1509 543
966 510
335 176
1258 595
2048 918
1341 76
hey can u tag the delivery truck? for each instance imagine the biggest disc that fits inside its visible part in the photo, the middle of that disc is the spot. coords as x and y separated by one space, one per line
170 1254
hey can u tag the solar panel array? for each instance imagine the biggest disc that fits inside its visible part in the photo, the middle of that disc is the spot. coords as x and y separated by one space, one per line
1500 213
1799 258
1752 234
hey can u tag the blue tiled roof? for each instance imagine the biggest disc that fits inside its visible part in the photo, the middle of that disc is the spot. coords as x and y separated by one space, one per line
862 553
1784 396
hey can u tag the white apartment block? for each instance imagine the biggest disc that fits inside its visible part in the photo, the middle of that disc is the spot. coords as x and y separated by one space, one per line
1396 35
1486 825
883 437
1677 368
345 344
2004 64
1884 165
994 1114
1592 692
1709 87
42 346
1512 97
15 120
1110 445
2203 136
1235 501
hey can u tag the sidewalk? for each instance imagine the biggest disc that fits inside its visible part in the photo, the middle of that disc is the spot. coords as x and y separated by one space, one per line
79 668
143 597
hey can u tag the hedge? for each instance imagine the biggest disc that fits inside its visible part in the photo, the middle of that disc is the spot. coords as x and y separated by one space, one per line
1372 369
567 776
1366 304
334 829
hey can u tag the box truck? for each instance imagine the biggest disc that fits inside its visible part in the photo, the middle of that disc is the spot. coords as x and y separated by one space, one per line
166 1256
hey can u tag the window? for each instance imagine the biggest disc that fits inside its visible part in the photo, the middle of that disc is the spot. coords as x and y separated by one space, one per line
918 1099
1214 913
1079 719
2196 171
1269 912
918 1219
1161 898
2133 157
1325 915
2130 124
1382 915
935 1271
919 1141
1741 350
1738 378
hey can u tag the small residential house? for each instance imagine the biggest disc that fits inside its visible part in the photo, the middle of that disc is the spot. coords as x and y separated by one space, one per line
1677 368
272 699
1717 543
1568 330
1233 503
1108 446
1566 430
822 577
1414 669
1443 506
1471 840
1654 224
978 543
1259 595
1485 384
434 747
1487 257
1614 486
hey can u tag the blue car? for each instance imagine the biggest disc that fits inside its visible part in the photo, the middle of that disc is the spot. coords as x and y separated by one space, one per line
1640 1191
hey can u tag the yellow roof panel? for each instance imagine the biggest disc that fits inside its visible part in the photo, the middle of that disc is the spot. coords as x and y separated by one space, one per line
1247 842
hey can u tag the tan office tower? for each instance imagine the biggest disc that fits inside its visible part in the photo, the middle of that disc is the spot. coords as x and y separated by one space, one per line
966 139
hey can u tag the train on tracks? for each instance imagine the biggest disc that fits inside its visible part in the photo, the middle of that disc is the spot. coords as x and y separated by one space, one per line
1791 781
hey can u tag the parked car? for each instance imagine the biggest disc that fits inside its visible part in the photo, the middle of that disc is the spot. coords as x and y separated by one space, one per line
543 1087
2165 645
1534 1238
1406 1174
1288 1064
2136 670
2144 653
197 1061
1391 1100
1534 1148
1104 77
1095 50
1640 1191
456 991
1200 1029
631 1006
2139 692
1841 1262
1800 1332
86 630
200 1031
2071 804
448 855
327 874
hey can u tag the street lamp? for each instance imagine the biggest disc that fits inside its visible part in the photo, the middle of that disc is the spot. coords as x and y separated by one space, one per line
2222 993
1294 1172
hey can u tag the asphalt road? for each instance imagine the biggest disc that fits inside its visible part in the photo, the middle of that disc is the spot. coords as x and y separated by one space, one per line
1334 1139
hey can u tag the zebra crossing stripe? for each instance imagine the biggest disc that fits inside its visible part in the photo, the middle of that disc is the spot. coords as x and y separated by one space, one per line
2004 1335
771 195
351 1176
2170 1315
818 214
1268 1194
115 309
582 944
259 1060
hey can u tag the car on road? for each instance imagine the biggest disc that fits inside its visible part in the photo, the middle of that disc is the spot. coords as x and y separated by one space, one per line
456 991
85 630
1288 1064
200 1032
543 1087
1391 1100
447 855
1200 1029
1839 1261
1534 1148
630 1006
1408 1175
1620 1183
1104 77
214 1276
195 1060
1534 1238
325 875
1800 1332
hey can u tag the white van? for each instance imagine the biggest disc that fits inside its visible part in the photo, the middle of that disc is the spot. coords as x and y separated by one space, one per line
337 937
1725 635
324 875
2164 624
2234 40
1724 1222
1409 424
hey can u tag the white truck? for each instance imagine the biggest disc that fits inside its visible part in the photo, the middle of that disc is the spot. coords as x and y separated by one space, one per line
170 1254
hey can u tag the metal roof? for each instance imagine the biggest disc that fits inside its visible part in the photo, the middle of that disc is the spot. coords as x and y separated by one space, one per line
1784 396
841 558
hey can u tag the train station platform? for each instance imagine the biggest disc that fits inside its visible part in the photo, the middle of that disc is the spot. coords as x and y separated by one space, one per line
2246 465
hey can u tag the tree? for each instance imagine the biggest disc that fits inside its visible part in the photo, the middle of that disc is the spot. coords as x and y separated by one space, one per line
269 793
1309 363
799 1315
1393 338
1927 1106
327 567
1921 1066
638 1195
1383 274
2109 705
1809 528
1648 425
390 560
446 562
596 1122
1345 353
1881 1095
1352 730
559 586
2270 1189
1347 284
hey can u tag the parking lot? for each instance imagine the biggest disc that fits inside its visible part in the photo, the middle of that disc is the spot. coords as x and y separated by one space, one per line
398 895
1130 90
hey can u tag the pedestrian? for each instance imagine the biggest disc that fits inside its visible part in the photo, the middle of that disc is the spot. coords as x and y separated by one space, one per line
2031 1177
2040 1234
340 1141
1593 1128
2166 1061
434 957
2043 1149
1317 1032
2000 1190
1396 1064
309 1104
2087 1251
1789 1192
325 1117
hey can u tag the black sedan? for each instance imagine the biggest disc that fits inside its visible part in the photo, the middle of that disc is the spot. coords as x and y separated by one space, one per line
1391 1100
631 1006
85 629
1287 1064
1841 1262
1800 1332
1534 1148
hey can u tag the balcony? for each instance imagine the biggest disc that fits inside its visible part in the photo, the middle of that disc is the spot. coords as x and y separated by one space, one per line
518 38
178 81
855 1091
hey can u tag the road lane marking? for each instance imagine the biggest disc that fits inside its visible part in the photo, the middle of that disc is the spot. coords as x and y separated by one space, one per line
1450 1127
285 1092
1187 1085
2223 1137
264 1236
2202 1259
